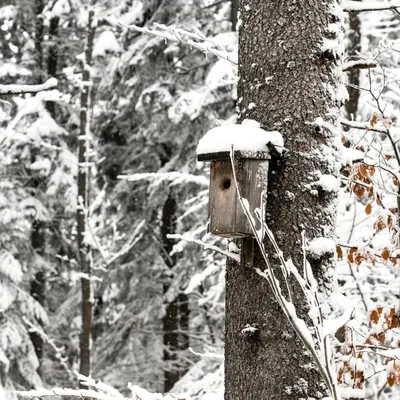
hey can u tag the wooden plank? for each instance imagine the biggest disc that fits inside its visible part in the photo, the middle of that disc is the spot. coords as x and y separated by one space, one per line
223 199
247 252
252 178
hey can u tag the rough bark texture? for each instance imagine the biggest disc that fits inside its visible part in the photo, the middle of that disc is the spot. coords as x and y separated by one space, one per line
283 71
354 46
83 203
176 319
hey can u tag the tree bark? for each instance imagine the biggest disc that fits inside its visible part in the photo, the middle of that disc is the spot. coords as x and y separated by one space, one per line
38 239
39 28
38 285
354 46
176 319
52 58
289 78
234 13
84 250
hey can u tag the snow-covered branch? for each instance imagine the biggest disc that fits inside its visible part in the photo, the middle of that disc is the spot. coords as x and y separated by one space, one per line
81 394
206 246
23 89
57 350
100 391
359 64
366 126
192 39
359 6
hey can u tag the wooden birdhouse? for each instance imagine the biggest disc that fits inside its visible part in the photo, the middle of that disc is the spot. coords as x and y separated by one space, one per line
247 148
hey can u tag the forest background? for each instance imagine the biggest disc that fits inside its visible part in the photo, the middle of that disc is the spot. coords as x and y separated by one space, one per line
152 99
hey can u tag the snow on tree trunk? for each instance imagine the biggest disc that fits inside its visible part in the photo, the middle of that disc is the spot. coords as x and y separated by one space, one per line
289 80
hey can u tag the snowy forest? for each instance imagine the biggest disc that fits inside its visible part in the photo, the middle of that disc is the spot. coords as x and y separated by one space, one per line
200 199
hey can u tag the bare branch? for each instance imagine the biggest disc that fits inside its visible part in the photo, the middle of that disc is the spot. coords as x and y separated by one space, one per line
23 89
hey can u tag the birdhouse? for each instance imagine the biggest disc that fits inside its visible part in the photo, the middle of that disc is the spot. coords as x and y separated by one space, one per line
247 148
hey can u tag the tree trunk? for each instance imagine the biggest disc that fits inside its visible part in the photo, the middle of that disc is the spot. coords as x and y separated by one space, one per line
52 58
287 76
234 13
354 46
83 205
38 284
38 239
176 319
38 8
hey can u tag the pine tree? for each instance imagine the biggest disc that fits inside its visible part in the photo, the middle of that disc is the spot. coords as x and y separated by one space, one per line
289 74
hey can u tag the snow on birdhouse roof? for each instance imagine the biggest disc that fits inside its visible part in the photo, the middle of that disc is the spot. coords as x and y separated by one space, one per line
248 140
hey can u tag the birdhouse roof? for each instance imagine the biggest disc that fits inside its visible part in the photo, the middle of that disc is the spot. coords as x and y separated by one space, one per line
247 141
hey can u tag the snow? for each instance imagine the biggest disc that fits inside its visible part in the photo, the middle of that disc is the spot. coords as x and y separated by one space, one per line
200 277
244 137
10 69
321 245
17 89
350 393
328 183
43 165
350 155
331 326
61 7
359 63
134 15
106 43
8 12
221 73
10 267
189 104
249 330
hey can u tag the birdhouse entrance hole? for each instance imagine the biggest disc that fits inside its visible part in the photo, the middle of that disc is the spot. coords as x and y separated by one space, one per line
226 183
